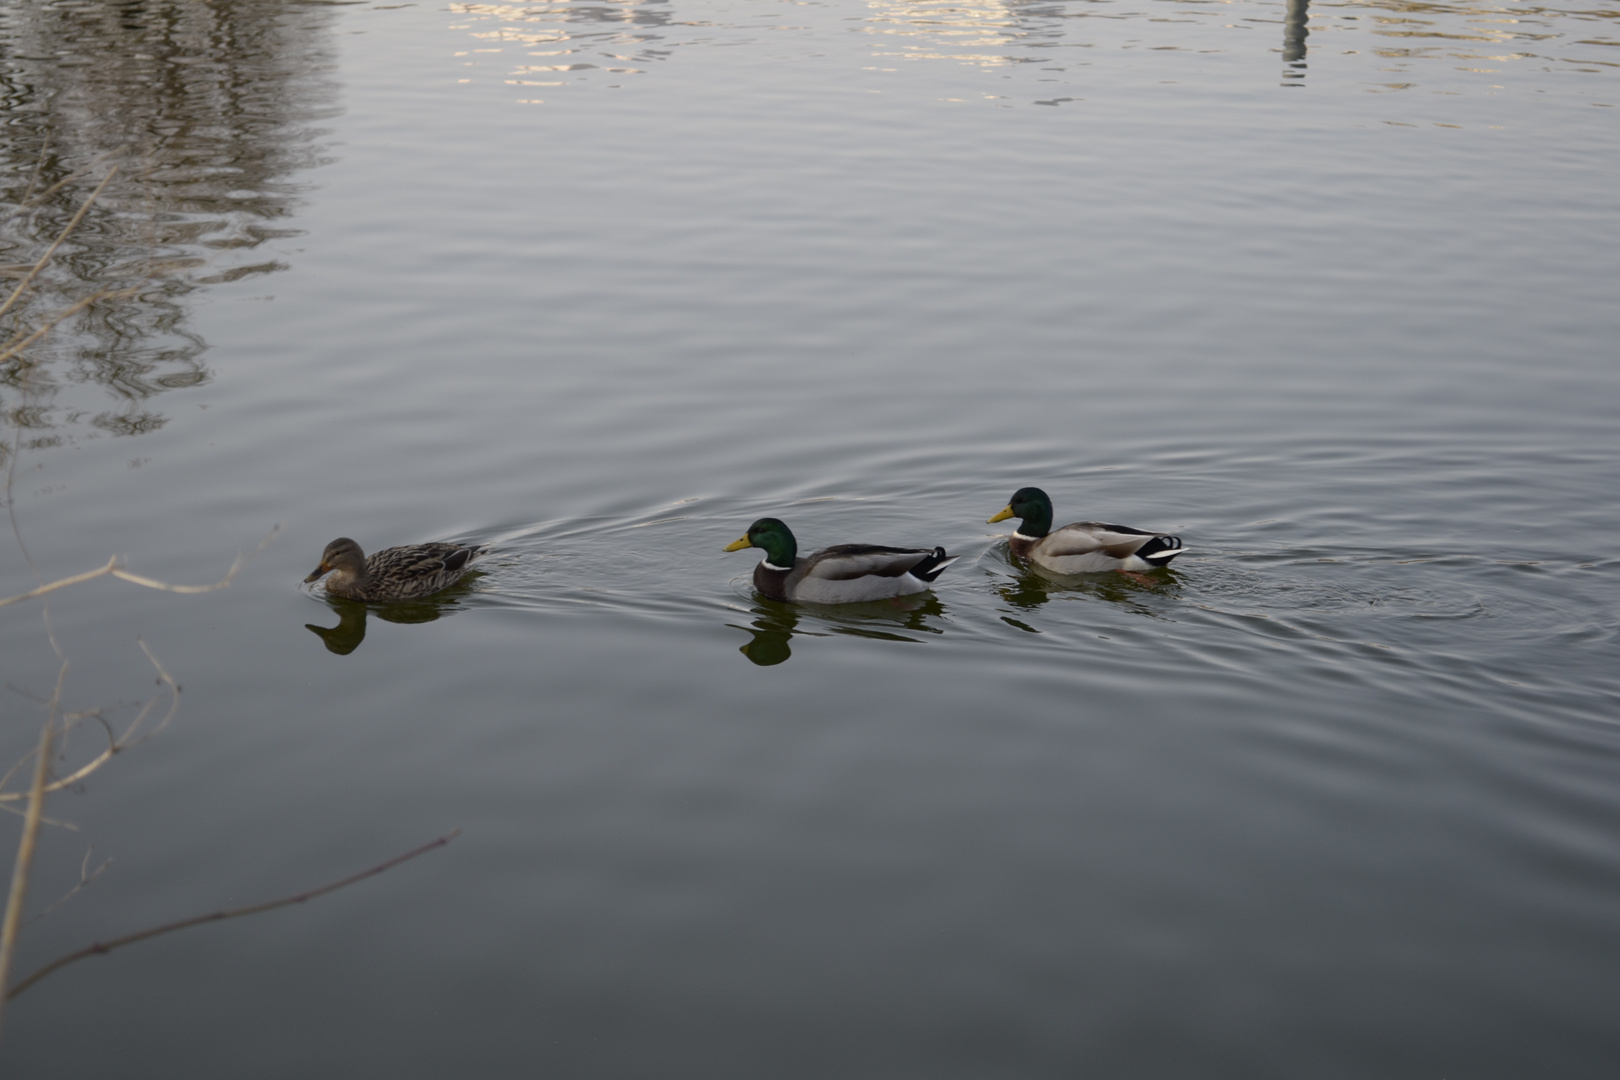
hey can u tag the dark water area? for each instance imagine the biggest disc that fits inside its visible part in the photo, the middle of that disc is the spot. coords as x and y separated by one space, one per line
1325 290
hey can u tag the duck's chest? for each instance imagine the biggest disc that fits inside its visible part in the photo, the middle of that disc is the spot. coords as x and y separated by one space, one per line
347 588
1022 546
772 581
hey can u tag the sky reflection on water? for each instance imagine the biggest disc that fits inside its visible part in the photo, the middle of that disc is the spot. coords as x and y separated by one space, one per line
1457 48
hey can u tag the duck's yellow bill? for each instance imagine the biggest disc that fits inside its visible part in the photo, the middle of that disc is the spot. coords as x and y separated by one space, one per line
738 545
1003 516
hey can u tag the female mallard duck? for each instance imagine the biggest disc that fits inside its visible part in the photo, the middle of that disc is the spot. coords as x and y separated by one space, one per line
841 574
1084 547
396 573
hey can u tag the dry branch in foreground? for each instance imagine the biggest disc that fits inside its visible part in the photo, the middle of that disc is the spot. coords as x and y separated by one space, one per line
101 948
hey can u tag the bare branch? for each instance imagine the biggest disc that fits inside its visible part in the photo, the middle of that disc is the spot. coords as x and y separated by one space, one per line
22 812
25 858
26 201
22 341
112 564
22 286
101 948
86 876
116 744
113 567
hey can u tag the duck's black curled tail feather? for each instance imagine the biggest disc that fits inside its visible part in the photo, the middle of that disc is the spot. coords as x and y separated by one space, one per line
933 566
1160 550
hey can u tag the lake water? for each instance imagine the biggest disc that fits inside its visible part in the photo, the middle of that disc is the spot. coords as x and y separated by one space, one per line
1328 291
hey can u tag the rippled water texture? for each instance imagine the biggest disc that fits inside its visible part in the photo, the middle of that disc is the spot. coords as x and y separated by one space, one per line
1327 291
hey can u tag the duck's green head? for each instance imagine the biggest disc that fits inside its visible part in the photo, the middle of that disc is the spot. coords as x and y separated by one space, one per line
1031 505
774 537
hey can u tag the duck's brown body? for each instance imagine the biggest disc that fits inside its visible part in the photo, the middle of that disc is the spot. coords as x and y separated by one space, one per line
396 573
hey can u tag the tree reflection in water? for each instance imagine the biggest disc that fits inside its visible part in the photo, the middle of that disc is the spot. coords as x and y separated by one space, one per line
206 111
1295 31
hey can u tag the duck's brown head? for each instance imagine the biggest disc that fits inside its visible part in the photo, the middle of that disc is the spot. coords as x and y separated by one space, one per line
340 554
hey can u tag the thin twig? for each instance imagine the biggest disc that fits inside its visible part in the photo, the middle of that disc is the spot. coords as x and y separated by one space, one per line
22 812
22 286
68 179
25 858
39 170
112 567
22 341
102 947
116 744
112 564
86 876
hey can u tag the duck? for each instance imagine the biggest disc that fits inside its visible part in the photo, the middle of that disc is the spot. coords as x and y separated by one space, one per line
396 573
841 574
1084 547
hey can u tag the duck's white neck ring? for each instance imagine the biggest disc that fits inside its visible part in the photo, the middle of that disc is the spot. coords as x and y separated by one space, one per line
1020 536
767 564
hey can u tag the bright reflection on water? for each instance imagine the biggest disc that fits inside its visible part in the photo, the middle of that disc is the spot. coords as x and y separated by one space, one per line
1326 290
1454 46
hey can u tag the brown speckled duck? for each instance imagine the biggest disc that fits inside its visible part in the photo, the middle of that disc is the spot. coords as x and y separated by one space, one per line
396 573
1084 547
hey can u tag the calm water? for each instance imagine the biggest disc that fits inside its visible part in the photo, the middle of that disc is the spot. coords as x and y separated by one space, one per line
1327 291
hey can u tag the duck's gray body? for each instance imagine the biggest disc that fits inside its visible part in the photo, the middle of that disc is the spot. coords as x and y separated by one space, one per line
852 573
1088 547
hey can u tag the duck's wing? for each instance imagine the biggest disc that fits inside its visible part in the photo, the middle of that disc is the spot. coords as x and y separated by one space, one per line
1085 537
420 560
845 562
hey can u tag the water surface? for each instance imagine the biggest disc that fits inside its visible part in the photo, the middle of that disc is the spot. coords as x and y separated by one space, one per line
1326 291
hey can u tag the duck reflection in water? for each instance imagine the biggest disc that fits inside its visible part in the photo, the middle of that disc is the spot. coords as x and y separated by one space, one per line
775 624
350 631
1032 586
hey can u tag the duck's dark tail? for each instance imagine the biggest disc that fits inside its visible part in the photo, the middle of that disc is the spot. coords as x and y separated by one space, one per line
1160 550
933 566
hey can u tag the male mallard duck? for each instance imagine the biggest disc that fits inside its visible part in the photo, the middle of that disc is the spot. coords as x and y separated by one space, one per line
396 573
841 574
1084 547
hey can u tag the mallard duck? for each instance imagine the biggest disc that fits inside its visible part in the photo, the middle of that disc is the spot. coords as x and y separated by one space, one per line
841 574
1084 547
396 573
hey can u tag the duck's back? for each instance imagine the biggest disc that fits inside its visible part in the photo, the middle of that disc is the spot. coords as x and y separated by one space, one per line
852 573
1089 546
401 573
